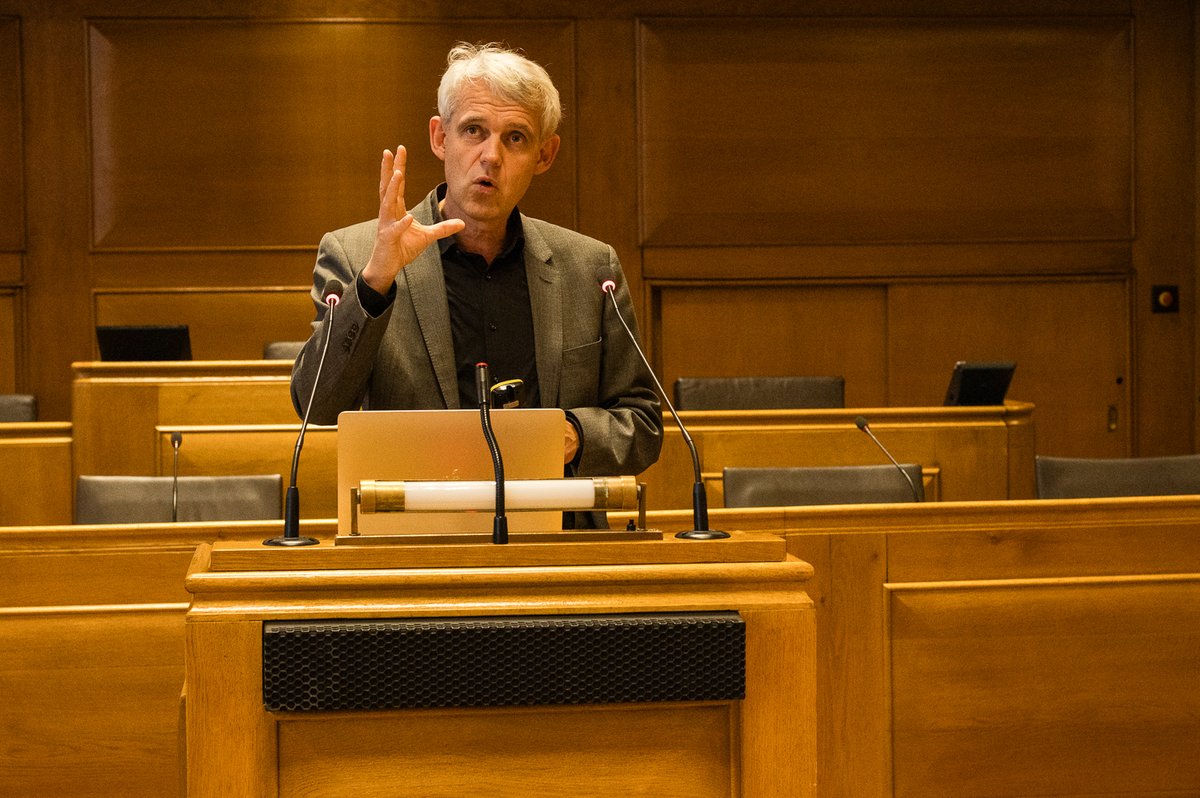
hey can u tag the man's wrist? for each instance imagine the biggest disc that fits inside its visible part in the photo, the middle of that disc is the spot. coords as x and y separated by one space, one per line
373 302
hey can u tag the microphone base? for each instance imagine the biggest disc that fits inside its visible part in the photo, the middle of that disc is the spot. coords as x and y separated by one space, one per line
702 534
500 530
284 540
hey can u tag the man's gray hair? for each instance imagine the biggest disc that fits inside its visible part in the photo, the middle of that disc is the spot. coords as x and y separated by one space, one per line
506 74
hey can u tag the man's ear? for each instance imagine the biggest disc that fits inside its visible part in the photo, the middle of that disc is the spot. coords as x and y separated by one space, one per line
547 153
437 137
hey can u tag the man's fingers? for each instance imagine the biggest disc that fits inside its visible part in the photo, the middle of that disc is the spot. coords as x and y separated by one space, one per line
391 203
425 232
406 221
400 167
385 172
447 228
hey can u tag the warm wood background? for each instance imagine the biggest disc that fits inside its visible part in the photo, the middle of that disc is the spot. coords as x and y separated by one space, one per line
872 188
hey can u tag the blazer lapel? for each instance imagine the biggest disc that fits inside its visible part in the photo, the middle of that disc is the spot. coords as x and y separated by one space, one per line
545 297
426 286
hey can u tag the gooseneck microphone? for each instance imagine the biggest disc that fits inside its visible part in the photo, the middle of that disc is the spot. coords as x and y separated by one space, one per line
176 440
483 395
699 530
291 505
861 423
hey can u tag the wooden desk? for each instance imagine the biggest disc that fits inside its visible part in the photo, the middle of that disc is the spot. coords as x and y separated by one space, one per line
91 654
35 473
260 449
1001 649
116 406
967 453
964 648
977 453
763 744
980 453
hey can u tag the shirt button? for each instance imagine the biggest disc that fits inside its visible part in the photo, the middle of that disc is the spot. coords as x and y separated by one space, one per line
487 276
492 326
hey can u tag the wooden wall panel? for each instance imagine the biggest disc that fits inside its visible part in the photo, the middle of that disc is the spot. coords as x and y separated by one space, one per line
1070 339
679 750
204 268
91 655
9 344
606 186
848 264
212 451
898 130
12 205
213 134
91 704
190 145
714 331
1099 692
1164 343
12 162
57 273
230 324
10 268
896 344
1191 251
36 464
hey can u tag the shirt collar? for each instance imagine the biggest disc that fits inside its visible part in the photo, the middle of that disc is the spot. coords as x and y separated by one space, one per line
514 236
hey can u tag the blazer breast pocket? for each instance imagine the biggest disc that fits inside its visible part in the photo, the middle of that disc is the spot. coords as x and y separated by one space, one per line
581 374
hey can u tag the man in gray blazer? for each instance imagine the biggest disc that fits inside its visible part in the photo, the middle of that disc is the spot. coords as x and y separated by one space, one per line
466 277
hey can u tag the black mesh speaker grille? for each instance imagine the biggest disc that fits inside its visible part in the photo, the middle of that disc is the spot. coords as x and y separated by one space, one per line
503 661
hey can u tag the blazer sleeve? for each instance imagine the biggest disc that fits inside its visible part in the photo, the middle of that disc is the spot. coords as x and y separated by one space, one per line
354 335
623 433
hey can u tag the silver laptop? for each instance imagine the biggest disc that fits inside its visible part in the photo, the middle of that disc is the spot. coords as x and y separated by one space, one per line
445 445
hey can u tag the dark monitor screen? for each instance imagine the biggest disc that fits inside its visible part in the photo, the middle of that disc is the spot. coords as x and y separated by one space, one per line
144 342
979 383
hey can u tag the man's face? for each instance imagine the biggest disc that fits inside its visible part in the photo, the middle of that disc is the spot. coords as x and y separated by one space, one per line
492 150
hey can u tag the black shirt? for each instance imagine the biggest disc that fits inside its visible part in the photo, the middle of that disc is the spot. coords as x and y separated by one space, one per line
491 318
490 315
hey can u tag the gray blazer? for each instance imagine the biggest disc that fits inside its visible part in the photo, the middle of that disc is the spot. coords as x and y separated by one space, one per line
404 359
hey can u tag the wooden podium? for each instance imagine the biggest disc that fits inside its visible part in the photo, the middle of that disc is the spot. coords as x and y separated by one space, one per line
759 743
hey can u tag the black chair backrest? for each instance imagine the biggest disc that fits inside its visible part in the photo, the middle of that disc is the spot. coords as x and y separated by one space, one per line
785 487
759 393
282 350
1090 478
19 407
134 500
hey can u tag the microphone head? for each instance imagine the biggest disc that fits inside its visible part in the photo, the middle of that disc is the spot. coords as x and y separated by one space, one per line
482 384
333 292
176 439
861 423
604 276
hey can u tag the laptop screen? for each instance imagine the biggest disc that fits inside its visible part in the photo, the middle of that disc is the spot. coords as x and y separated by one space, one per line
144 342
979 383
445 445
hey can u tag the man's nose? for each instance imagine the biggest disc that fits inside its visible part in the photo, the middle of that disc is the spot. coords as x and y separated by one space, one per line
491 150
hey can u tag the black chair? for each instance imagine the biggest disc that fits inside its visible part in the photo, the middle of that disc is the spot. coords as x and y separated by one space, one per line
282 350
18 407
759 393
138 500
1091 478
785 487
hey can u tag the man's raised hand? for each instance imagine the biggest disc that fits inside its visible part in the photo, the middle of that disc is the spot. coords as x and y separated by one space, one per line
400 237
